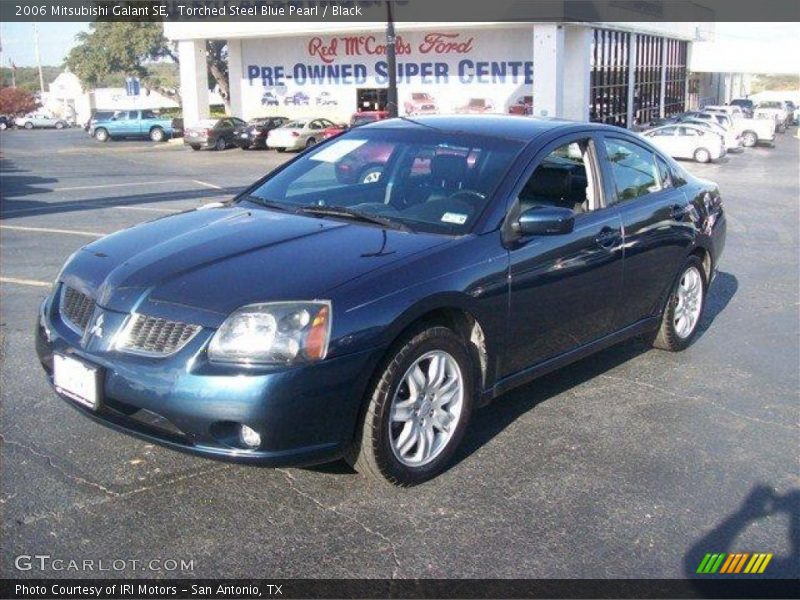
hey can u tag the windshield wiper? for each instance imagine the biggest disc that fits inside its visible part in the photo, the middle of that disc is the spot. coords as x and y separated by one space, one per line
349 213
267 203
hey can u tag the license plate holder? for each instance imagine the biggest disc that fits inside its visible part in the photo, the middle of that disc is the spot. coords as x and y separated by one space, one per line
77 380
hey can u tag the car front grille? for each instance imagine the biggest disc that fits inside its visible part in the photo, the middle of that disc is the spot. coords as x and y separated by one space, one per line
76 308
155 336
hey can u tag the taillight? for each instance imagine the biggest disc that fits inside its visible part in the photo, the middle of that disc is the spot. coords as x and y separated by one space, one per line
295 134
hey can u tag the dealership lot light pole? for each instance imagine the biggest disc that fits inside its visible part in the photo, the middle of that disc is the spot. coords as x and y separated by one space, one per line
391 62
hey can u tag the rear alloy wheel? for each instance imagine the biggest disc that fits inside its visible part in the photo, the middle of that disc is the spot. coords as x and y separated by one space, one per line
195 147
749 139
418 410
310 142
101 135
684 308
220 144
28 125
371 175
157 134
702 155
59 125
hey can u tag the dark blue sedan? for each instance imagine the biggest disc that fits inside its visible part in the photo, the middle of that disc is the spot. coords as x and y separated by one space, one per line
325 314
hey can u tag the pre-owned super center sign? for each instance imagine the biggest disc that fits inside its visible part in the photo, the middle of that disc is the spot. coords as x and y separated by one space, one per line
454 69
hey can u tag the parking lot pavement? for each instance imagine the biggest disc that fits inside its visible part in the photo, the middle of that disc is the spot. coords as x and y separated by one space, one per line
631 463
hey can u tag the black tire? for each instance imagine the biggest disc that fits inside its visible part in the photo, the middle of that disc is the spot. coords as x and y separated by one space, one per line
310 142
28 125
702 155
749 139
195 147
281 149
101 135
371 452
60 125
667 337
220 144
157 134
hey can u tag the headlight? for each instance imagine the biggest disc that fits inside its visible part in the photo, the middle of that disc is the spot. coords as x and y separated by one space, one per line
274 332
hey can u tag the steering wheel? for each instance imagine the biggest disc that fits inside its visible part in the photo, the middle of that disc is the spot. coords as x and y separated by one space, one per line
471 197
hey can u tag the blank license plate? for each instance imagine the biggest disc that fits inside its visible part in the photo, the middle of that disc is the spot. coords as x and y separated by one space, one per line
77 380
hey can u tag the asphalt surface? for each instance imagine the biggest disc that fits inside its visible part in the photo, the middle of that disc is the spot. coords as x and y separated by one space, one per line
632 463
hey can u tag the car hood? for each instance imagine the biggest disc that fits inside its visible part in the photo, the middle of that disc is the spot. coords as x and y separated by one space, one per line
207 263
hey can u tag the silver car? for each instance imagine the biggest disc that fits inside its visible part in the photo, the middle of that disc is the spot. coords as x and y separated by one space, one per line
298 134
684 140
40 120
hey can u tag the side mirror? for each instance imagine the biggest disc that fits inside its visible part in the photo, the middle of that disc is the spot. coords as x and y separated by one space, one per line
544 220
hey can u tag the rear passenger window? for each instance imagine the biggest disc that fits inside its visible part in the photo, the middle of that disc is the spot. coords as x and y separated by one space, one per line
633 168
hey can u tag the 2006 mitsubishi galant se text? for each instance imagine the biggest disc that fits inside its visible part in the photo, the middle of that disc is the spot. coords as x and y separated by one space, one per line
363 299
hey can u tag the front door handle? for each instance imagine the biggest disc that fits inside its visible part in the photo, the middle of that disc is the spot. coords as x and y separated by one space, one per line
608 237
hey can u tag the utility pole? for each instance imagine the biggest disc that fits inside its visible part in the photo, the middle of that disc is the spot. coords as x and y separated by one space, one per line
391 61
38 59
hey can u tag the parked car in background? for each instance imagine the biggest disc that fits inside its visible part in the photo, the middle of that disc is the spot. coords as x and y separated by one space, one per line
298 134
733 111
358 119
269 99
254 134
747 106
421 103
523 106
791 108
40 120
795 113
733 137
5 122
776 110
136 124
307 321
216 134
722 118
476 106
325 99
297 99
685 140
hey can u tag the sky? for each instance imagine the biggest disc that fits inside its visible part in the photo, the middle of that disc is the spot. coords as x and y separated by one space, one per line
56 39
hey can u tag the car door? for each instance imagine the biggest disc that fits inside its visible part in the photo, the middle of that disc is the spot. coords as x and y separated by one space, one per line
665 139
655 224
563 288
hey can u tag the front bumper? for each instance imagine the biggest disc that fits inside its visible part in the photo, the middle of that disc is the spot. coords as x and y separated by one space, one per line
305 414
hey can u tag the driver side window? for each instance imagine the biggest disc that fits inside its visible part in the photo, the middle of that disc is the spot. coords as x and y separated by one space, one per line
564 179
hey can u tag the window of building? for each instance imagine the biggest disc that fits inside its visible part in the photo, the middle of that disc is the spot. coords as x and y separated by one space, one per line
610 70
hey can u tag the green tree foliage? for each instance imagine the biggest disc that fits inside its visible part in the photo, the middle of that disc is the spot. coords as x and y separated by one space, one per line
109 52
27 78
776 83
17 101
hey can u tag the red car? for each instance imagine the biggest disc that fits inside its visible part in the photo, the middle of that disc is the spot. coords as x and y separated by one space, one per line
524 106
359 118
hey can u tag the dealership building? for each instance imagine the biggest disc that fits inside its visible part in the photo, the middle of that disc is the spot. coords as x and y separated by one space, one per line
620 73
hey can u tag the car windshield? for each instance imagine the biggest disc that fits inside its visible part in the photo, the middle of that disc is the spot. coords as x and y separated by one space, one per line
424 180
295 125
362 120
770 105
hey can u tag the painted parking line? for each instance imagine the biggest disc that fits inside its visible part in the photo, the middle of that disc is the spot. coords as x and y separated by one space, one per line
30 282
115 185
208 185
49 230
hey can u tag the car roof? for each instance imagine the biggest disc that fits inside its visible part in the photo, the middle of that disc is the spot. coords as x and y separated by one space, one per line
515 127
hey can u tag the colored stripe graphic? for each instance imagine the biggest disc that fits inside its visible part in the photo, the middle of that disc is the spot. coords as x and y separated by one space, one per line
729 564
731 559
765 563
711 563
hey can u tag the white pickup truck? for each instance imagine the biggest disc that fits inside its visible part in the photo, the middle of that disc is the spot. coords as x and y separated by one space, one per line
755 131
774 110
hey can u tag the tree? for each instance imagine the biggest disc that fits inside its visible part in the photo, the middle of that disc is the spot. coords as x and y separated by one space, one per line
110 50
17 101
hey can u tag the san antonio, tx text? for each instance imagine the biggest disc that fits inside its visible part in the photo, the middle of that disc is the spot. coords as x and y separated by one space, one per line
147 590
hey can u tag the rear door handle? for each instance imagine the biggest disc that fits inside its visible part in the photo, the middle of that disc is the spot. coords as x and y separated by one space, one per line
607 237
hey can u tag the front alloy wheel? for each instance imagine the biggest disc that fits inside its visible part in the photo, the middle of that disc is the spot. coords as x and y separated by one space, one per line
417 409
684 308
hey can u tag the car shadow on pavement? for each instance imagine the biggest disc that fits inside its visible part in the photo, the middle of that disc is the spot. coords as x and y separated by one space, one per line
488 422
761 503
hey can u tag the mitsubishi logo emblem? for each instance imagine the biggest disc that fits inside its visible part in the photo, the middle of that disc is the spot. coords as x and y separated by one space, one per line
97 328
